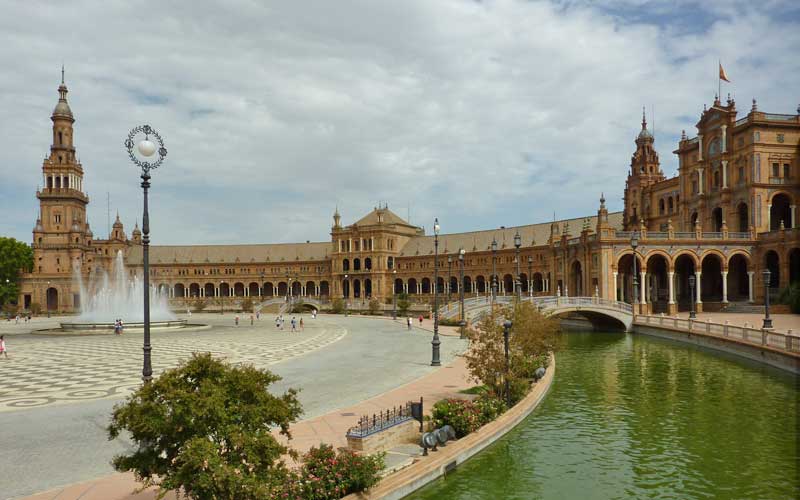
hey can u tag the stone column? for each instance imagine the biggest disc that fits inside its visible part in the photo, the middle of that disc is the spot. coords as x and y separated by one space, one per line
750 285
724 137
671 279
697 276
724 287
700 148
700 180
769 216
792 207
616 292
643 288
724 173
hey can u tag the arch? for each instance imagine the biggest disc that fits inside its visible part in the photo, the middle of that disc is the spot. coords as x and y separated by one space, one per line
625 281
426 285
508 283
163 290
346 265
356 288
652 254
661 207
657 285
794 266
368 264
209 290
523 282
576 279
238 289
311 288
356 264
179 290
224 289
716 219
269 289
412 286
772 262
367 288
52 299
283 288
738 280
711 278
693 220
742 217
467 284
601 321
398 285
346 288
480 283
324 289
194 290
670 205
538 282
780 210
297 289
685 266
454 284
440 285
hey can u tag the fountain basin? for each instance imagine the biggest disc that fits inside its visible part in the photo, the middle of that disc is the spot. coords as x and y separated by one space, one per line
136 327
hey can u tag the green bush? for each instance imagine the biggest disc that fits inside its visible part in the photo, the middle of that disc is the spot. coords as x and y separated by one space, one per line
450 322
204 428
36 308
791 297
403 304
466 416
247 305
374 306
327 474
337 306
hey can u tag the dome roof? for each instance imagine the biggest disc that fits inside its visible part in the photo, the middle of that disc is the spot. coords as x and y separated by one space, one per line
645 134
62 108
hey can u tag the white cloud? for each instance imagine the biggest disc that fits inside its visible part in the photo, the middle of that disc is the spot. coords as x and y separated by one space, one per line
482 113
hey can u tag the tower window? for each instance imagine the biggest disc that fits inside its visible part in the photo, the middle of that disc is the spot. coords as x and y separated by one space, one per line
60 159
60 138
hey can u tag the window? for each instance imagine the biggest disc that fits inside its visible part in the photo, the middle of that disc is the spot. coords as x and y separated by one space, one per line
775 170
60 138
787 170
671 205
740 174
57 218
661 207
694 186
756 136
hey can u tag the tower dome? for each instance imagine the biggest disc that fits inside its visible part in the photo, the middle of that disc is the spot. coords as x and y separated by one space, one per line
62 107
644 134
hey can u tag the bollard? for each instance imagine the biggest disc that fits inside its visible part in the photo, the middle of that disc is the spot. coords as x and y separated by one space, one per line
725 328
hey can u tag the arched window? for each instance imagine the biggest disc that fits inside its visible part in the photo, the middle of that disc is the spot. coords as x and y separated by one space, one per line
345 265
356 264
390 263
368 263
60 138
670 205
661 207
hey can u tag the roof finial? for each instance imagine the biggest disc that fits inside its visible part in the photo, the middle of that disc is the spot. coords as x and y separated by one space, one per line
62 73
755 106
683 135
644 120
602 200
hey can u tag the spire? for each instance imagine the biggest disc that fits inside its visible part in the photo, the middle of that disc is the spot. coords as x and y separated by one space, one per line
62 107
336 217
644 119
755 106
602 201
62 73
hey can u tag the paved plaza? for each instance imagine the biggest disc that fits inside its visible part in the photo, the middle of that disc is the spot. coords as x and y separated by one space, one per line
57 392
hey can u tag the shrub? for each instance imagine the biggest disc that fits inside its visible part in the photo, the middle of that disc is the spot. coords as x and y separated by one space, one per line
36 308
374 306
337 306
327 474
450 322
204 428
247 305
490 408
466 416
791 297
403 304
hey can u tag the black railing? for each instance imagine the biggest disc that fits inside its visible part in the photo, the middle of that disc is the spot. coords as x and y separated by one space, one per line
367 425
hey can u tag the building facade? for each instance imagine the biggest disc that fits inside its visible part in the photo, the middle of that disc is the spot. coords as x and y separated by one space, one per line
728 214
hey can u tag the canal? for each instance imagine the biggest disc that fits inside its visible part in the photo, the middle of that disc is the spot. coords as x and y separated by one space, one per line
630 416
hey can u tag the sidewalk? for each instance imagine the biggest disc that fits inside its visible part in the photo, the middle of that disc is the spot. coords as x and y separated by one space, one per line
781 322
329 428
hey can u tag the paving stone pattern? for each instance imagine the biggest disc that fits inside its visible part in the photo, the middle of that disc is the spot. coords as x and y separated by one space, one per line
48 370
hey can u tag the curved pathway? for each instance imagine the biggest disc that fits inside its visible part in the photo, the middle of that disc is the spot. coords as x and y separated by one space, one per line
347 360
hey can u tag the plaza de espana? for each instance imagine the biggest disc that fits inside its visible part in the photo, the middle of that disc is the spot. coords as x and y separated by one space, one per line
728 214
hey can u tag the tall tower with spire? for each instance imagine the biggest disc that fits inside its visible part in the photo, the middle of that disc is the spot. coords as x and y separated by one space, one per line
645 171
61 236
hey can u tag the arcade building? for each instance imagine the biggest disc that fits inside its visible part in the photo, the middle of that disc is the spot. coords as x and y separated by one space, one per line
729 213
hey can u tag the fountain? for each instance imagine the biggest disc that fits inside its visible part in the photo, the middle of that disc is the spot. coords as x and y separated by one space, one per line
106 298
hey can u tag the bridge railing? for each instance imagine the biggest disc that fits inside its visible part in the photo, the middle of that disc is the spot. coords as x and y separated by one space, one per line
555 302
785 341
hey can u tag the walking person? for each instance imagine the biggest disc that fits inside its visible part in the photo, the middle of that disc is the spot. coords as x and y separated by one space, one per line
3 350
294 324
236 320
302 327
408 322
420 321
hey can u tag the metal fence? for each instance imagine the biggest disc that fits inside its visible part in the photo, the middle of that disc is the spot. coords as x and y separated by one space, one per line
784 341
382 420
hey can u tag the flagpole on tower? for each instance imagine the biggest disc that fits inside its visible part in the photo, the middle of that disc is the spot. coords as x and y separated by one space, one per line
719 80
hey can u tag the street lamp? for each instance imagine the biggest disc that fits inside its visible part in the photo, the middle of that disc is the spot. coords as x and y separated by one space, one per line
494 271
221 298
435 343
692 314
47 299
530 276
506 330
767 275
449 274
463 322
146 149
518 283
394 294
634 244
345 282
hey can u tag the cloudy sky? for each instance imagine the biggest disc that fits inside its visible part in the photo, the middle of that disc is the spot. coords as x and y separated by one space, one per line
483 113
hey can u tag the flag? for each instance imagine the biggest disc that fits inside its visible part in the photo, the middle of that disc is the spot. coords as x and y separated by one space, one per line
722 75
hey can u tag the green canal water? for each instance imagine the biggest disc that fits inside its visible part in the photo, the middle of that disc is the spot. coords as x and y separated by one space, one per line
630 416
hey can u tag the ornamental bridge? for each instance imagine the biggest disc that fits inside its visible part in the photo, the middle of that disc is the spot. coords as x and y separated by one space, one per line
602 313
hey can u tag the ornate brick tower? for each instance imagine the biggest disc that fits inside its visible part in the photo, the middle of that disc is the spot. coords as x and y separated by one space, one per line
61 237
645 171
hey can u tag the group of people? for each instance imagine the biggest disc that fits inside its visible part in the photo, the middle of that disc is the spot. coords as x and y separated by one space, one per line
410 323
25 317
118 326
279 323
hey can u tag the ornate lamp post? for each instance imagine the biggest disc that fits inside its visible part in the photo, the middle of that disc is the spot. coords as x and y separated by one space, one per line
530 276
494 271
435 343
221 298
146 149
634 244
767 276
692 314
394 294
506 330
518 282
463 322
449 274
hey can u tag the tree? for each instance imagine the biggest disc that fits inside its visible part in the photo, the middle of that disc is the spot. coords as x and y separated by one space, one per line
204 428
403 304
247 305
374 306
15 257
532 338
337 306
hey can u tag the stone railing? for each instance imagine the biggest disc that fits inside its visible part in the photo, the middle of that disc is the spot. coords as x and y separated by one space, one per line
684 235
783 341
